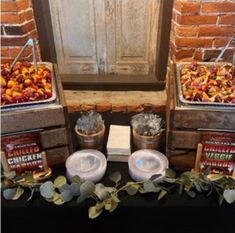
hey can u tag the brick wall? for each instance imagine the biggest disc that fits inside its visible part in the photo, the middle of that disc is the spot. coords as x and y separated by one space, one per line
200 29
17 26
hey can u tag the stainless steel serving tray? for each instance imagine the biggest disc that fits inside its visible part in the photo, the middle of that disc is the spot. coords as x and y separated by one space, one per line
38 102
178 67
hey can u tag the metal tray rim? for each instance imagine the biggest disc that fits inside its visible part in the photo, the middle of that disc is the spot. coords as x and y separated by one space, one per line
180 94
50 100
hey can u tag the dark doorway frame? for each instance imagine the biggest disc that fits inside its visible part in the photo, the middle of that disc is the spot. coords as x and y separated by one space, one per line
104 82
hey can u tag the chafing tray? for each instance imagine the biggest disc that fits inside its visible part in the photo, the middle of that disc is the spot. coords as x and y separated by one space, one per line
37 102
178 67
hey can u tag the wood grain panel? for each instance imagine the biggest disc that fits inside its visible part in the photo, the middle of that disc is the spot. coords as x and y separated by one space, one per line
57 156
183 139
53 138
33 118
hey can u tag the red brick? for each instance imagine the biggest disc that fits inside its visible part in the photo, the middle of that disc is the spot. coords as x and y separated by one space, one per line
87 107
118 108
29 26
220 42
7 60
10 18
218 7
197 55
4 52
198 19
186 31
184 53
135 108
23 4
8 6
213 54
14 41
227 19
187 7
103 107
193 42
216 31
28 15
15 51
33 34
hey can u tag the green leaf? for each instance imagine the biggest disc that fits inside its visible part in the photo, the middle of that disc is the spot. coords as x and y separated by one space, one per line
93 212
87 188
162 194
229 195
115 177
221 198
101 192
170 173
8 194
10 175
28 177
149 187
181 188
132 188
60 181
66 195
47 189
76 179
198 186
31 194
100 205
191 194
19 192
170 180
110 204
57 199
155 177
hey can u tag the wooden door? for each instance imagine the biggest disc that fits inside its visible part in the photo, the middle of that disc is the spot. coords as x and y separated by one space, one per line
131 36
105 36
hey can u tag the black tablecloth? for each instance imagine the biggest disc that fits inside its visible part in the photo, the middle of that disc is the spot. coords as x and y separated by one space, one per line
140 213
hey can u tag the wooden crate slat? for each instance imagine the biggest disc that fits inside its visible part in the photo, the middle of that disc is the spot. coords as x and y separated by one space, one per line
194 119
57 156
183 139
53 138
183 161
33 118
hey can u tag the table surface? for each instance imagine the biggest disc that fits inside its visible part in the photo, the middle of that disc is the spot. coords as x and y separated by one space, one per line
139 213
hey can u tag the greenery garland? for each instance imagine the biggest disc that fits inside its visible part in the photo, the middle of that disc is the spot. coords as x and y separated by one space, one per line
107 198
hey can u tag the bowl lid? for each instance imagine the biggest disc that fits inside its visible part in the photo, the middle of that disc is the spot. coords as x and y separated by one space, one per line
86 161
145 163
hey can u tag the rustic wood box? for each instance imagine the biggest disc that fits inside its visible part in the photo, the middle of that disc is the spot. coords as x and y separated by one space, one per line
185 125
51 119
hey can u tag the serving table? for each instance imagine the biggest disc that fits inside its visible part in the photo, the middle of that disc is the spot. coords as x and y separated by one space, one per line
139 213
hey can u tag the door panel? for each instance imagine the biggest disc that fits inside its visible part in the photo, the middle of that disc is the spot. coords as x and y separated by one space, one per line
131 36
105 36
74 27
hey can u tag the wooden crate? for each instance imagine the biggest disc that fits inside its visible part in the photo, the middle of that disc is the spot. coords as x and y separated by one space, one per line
51 119
185 124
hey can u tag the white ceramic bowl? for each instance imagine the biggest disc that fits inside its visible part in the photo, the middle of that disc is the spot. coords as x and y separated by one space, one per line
88 164
143 164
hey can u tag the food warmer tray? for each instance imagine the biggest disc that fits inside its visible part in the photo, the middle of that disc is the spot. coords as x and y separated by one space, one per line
178 67
39 102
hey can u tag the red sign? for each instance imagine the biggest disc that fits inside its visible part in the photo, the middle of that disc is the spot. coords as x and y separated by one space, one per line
218 152
22 152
